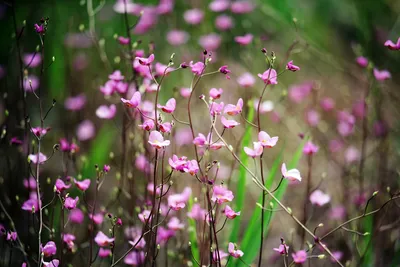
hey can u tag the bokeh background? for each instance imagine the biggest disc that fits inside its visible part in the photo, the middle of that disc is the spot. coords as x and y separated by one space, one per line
323 37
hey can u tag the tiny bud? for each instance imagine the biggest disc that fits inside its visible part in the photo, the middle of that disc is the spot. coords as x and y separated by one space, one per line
271 204
388 189
56 147
205 52
264 50
289 210
321 256
366 233
158 246
190 244
171 182
375 193
321 225
230 147
24 22
81 27
258 204
53 58
195 199
184 65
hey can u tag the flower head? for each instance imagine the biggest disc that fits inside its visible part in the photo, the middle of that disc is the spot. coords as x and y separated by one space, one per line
233 251
256 151
175 224
393 46
177 37
70 203
49 249
193 16
310 148
221 194
216 108
147 125
200 140
229 123
169 106
300 256
269 76
134 101
197 68
157 140
82 185
105 112
37 159
216 93
291 175
362 62
61 186
234 109
382 75
246 80
244 40
283 249
12 236
290 66
102 240
230 213
319 198
224 70
266 140
146 61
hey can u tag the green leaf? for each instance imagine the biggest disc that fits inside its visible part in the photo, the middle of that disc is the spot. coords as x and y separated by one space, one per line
367 247
193 233
241 185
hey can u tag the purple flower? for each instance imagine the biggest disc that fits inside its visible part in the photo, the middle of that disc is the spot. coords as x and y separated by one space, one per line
393 46
177 37
169 106
319 198
49 249
230 213
32 60
40 28
382 75
283 249
290 66
310 148
224 23
362 62
219 5
104 253
76 216
102 240
82 185
61 186
245 39
269 76
85 130
300 256
197 68
12 236
75 103
210 42
31 83
242 7
175 224
134 101
221 194
116 76
123 40
70 203
246 80
216 108
105 112
35 158
146 61
229 123
234 252
193 16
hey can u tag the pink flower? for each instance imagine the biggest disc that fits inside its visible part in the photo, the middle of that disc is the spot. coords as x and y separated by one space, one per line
30 183
319 198
338 255
49 249
138 243
312 117
327 104
197 68
382 75
266 140
392 46
236 253
234 109
82 185
175 224
244 40
177 163
337 213
102 240
310 148
85 131
185 92
15 141
242 7
69 240
105 112
219 255
39 28
224 23
298 93
291 175
362 62
116 76
193 16
221 194
147 125
38 131
219 5
76 216
12 236
256 151
216 109
200 140
97 218
70 203
31 83
145 61
135 258
246 80
61 186
352 154
52 263
75 102
230 213
290 66
165 127
216 93
32 60
104 253
224 70
134 101
32 205
269 76
35 158
144 216
283 249
157 140
192 167
123 40
229 123
106 168
169 106
210 42
176 202
300 256
177 37
197 213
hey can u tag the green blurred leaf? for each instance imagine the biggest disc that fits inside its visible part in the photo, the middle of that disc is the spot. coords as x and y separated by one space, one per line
193 233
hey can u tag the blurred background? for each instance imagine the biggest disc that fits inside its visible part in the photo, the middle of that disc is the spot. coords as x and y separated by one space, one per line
334 100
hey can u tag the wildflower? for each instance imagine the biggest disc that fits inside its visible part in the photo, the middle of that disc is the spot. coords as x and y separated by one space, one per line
76 216
75 102
197 68
135 258
224 23
97 218
216 109
123 40
40 28
327 104
266 140
82 185
392 46
12 236
70 203
219 5
31 83
338 255
102 240
52 263
177 37
246 80
269 76
362 62
193 16
32 60
145 61
283 249
116 76
69 240
104 253
138 243
185 92
290 66
106 168
256 151
134 101
15 141
157 140
105 112
319 198
39 131
147 125
177 164
85 130
224 70
49 249
37 159
197 213
291 175
216 93
30 183
200 140
210 42
242 7
192 167
32 204
228 123
310 148
61 186
300 256
230 213
297 93
234 109
382 75
169 106
352 154
234 252
178 201
175 224
221 194
244 40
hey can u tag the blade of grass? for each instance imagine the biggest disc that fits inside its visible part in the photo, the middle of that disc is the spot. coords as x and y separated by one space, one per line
193 233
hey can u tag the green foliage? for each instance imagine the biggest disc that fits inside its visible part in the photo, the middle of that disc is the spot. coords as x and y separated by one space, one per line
193 233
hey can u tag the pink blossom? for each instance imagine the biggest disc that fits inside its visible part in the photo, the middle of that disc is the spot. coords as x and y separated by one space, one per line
219 5
216 108
75 103
245 39
61 186
234 109
145 61
39 28
134 101
233 251
359 108
135 258
147 125
38 131
338 255
183 136
283 249
32 205
300 256
219 255
210 42
269 76
169 106
82 185
31 83
352 154
76 216
193 16
104 253
105 112
297 93
265 106
30 183
32 60
175 224
229 123
35 158
200 140
116 76
362 62
12 236
106 168
256 151
49 249
216 93
185 92
224 23
144 216
290 66
102 240
310 148
246 80
177 37
177 163
312 117
230 213
69 240
291 175
266 140
191 167
97 218
15 141
123 40
392 46
242 7
178 201
165 7
335 145
147 20
122 6
327 104
85 130
197 213
382 75
141 163
221 194
165 127
337 212
70 203
52 263
224 70
138 243
197 68
157 140
319 198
